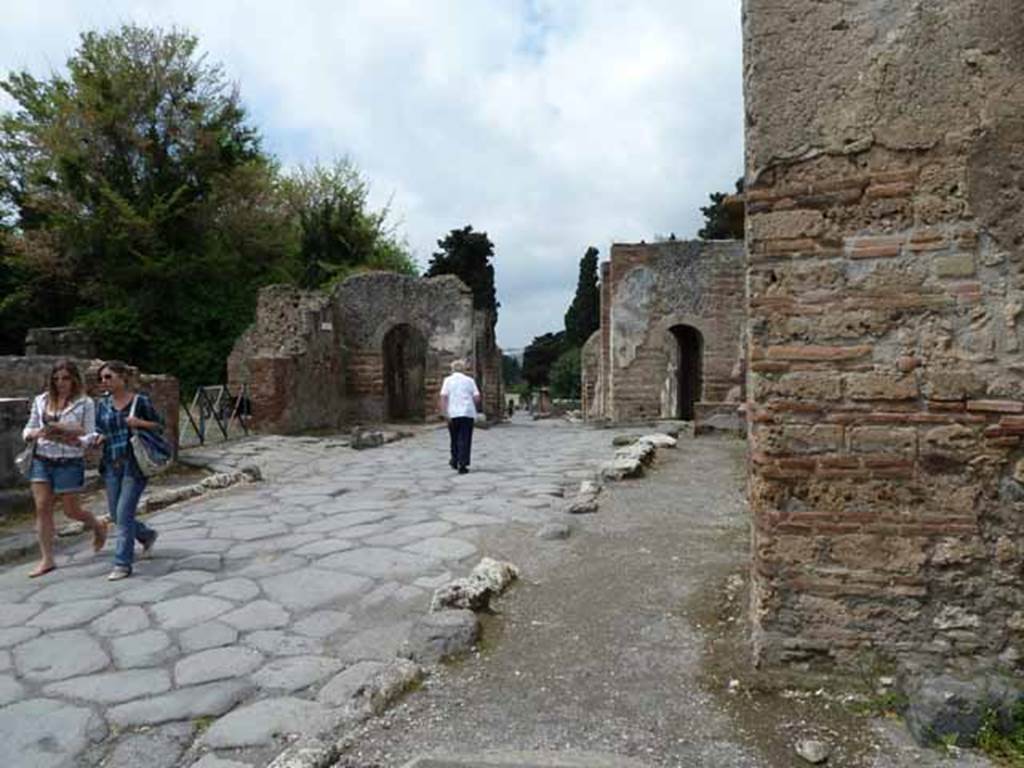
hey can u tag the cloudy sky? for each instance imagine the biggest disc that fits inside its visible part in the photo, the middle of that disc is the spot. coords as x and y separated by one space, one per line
550 124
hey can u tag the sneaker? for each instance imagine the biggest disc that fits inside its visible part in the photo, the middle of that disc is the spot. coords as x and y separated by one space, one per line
463 471
148 543
119 572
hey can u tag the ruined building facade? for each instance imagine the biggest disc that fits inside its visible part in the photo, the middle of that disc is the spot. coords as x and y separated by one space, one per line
670 341
374 349
885 234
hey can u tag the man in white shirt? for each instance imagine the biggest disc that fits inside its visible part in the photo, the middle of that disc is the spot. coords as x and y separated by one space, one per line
459 399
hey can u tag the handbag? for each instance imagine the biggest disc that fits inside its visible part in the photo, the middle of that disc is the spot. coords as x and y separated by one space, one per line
152 453
23 461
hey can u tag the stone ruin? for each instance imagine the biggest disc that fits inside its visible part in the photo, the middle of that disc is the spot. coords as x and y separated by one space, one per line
670 341
374 349
885 233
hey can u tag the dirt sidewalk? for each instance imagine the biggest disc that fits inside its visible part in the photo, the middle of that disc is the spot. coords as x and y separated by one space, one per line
629 641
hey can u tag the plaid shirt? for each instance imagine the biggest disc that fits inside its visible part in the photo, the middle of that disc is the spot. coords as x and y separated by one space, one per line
112 423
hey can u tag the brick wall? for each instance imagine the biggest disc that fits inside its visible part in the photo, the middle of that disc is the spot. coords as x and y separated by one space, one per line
647 290
886 379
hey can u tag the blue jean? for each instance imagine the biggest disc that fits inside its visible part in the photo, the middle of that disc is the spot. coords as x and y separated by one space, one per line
461 432
125 484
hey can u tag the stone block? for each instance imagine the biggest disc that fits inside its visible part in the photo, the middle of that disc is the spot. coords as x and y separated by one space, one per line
902 440
880 386
960 265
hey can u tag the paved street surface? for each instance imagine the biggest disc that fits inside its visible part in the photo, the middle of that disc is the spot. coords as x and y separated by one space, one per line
255 599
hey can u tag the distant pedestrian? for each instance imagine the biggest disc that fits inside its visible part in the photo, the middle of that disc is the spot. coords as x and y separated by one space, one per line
63 418
459 400
120 413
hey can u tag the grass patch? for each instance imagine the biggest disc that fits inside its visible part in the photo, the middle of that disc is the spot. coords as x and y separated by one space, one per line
1004 745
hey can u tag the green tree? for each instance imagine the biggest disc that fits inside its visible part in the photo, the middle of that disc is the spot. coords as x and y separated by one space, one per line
723 221
540 355
338 233
467 254
511 370
117 177
565 374
584 314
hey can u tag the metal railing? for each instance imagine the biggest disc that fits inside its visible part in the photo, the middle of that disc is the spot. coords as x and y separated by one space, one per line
216 405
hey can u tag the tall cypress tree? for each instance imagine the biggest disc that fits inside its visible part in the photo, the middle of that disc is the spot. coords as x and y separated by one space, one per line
584 314
467 255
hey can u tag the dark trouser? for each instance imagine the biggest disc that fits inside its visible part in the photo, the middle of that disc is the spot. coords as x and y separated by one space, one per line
461 432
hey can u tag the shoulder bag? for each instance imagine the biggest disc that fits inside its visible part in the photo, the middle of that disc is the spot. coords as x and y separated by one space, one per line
151 450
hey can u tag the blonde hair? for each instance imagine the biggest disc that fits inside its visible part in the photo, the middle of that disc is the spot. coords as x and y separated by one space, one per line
458 365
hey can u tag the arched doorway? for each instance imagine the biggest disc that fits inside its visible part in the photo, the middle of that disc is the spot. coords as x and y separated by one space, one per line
687 356
405 366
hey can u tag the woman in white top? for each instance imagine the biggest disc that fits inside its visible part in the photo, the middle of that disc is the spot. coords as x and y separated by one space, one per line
63 419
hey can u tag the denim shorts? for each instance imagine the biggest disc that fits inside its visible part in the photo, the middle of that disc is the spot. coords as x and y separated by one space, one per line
62 475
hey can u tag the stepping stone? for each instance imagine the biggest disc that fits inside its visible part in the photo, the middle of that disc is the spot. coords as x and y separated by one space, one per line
112 687
240 590
216 664
261 614
125 620
210 700
293 673
42 733
262 723
212 634
145 649
312 587
60 656
184 612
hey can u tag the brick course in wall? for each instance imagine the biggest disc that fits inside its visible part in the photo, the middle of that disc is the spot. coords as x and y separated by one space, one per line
886 379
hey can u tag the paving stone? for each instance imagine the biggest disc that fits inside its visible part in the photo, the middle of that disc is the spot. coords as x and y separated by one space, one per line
261 723
196 577
470 518
11 690
293 673
210 700
194 546
205 561
153 591
42 733
349 520
410 533
394 597
251 532
158 747
5 661
320 623
60 656
212 634
325 547
278 643
112 687
261 614
313 587
216 664
212 761
13 635
378 562
272 566
80 589
63 616
442 548
146 649
182 612
13 614
344 686
375 643
240 590
125 620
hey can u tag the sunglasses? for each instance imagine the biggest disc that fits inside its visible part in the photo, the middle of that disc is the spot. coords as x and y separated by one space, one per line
106 377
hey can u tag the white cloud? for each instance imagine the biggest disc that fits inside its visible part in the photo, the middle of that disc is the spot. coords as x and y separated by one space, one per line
550 124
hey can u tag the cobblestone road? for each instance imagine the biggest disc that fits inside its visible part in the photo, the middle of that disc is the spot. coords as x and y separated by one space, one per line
256 599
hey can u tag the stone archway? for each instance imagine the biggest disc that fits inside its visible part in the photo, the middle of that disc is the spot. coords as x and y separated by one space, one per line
686 369
405 366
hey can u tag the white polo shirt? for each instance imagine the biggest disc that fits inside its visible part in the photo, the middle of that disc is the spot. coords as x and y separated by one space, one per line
461 391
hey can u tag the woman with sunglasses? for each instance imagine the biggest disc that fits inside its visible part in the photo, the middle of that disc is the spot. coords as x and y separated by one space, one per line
62 419
120 412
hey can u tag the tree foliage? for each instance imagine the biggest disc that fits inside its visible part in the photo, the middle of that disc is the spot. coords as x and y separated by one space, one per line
584 314
721 221
467 254
564 375
540 355
136 200
511 370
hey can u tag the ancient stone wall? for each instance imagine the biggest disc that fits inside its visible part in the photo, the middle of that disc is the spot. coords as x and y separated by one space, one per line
14 413
293 360
653 295
64 341
438 310
26 377
487 365
885 231
591 385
